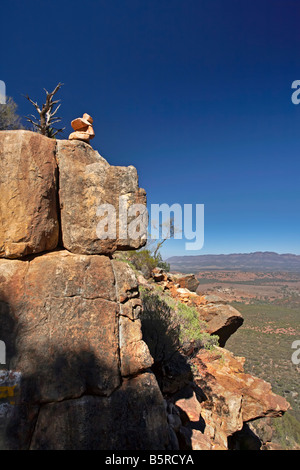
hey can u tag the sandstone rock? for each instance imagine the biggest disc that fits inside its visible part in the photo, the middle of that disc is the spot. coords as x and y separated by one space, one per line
174 421
90 131
135 355
132 309
126 281
78 368
132 418
190 407
157 274
177 375
199 441
88 118
83 129
67 322
231 397
85 135
142 281
71 345
214 299
77 135
28 199
80 124
222 320
12 276
87 182
245 439
187 281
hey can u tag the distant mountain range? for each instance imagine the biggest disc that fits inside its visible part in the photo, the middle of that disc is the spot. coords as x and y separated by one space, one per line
258 261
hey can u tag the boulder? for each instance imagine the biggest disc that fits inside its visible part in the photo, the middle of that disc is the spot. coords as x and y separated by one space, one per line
87 184
28 194
221 320
158 274
187 281
78 135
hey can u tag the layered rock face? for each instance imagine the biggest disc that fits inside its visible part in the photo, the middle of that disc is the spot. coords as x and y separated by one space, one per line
39 173
77 370
210 399
230 397
208 412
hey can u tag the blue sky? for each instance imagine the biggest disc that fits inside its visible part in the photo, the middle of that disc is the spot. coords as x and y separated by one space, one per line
196 94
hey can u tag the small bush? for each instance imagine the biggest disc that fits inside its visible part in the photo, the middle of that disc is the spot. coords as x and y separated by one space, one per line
160 332
169 326
192 330
144 261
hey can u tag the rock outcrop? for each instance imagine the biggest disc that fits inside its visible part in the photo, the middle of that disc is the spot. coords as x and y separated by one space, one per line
210 399
230 397
77 369
73 348
78 374
221 319
215 407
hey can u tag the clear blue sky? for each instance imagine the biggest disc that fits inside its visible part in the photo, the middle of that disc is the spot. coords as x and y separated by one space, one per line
196 94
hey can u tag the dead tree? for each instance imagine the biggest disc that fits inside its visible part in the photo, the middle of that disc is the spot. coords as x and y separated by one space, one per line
47 116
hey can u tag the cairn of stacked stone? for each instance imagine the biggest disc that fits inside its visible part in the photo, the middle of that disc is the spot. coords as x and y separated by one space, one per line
83 128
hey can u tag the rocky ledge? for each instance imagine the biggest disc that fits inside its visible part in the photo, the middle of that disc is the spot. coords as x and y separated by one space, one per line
210 400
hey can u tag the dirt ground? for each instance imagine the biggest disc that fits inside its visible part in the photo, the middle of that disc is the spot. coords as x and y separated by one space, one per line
240 286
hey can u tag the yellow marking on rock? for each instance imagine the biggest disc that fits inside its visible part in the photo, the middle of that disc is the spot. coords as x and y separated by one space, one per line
8 392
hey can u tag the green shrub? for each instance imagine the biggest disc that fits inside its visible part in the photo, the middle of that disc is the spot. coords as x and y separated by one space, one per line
169 326
192 330
160 332
144 261
162 264
287 431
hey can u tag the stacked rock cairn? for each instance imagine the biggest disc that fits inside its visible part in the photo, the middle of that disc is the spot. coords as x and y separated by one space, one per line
83 129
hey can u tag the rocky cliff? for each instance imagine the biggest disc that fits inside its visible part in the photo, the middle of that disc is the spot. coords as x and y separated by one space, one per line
78 373
210 399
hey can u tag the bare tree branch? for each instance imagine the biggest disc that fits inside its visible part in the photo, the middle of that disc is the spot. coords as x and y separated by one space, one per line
46 114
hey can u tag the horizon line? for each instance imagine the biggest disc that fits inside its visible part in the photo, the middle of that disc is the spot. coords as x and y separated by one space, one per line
239 253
